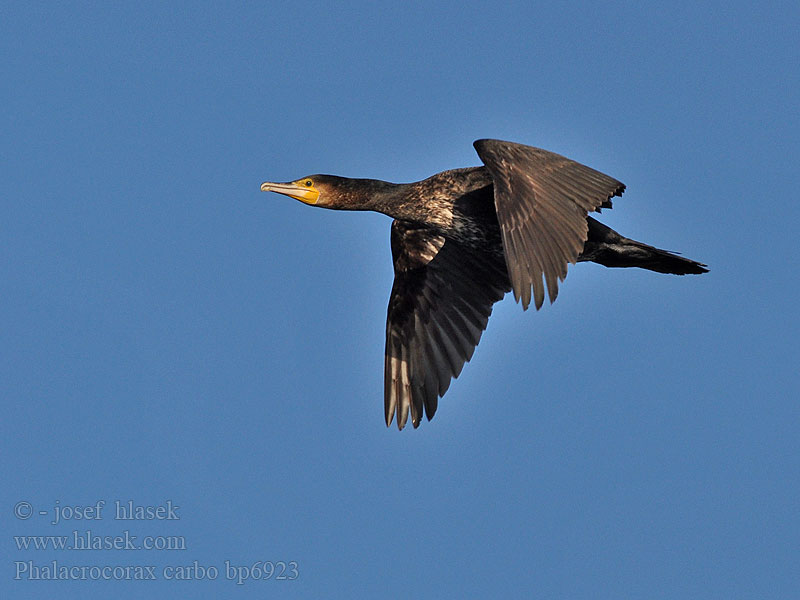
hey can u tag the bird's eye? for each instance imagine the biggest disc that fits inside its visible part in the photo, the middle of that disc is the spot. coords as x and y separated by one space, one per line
308 183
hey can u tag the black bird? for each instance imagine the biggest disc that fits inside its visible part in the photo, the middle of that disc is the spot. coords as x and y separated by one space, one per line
463 238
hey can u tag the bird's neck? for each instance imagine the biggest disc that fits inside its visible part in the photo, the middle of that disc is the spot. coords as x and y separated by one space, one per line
372 194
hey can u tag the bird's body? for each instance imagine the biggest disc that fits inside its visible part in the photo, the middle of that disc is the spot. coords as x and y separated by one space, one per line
463 238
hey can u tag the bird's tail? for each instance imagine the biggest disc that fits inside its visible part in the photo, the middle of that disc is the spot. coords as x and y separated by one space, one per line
606 247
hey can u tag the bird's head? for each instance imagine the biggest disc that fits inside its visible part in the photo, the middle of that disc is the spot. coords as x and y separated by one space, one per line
313 189
330 191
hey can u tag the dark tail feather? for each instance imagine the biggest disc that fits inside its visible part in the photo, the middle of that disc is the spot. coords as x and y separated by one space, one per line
606 247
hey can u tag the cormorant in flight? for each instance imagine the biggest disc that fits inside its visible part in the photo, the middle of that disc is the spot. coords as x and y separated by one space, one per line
463 238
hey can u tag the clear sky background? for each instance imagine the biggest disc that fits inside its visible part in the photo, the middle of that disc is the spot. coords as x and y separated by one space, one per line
171 334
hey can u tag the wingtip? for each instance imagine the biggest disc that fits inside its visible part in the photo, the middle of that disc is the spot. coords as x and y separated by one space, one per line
402 419
480 144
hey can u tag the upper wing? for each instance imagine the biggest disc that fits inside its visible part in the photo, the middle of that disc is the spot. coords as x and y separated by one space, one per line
542 200
441 300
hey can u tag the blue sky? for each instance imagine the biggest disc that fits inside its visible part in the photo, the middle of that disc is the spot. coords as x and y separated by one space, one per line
171 334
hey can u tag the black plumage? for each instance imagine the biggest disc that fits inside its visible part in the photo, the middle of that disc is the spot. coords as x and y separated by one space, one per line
463 238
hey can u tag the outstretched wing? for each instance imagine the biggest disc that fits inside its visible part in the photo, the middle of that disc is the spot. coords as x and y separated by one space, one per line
441 300
542 200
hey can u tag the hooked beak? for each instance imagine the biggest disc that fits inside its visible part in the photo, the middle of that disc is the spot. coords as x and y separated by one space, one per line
309 195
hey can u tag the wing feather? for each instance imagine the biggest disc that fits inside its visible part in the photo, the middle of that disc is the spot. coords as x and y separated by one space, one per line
542 201
440 303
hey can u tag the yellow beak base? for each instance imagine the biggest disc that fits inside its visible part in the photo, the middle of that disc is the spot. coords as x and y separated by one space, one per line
299 191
